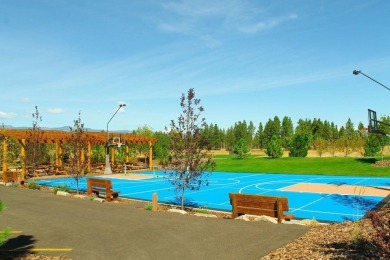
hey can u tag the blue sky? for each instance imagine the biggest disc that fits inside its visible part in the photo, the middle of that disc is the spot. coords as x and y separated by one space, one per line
246 60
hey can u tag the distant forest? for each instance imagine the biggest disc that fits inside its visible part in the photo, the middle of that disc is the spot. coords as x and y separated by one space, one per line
280 135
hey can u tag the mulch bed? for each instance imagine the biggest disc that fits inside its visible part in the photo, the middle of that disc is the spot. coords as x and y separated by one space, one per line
384 163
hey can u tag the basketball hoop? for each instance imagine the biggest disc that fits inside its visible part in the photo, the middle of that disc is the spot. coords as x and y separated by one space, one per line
373 123
116 141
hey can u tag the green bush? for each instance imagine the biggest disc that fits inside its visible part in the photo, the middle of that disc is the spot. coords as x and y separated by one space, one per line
372 147
148 206
32 185
241 149
300 145
6 232
274 148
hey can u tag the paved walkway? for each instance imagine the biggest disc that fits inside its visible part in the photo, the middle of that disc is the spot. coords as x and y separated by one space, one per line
83 229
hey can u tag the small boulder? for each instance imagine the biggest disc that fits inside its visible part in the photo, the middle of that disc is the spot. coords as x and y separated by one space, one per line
205 215
63 193
183 212
266 218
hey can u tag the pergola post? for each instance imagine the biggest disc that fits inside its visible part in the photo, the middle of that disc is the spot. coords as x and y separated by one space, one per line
23 155
89 156
5 150
82 160
57 155
112 155
127 153
150 156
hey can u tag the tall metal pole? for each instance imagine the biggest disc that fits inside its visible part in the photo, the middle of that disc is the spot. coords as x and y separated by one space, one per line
357 72
107 169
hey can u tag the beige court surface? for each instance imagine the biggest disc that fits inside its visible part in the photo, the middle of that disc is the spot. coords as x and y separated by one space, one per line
339 189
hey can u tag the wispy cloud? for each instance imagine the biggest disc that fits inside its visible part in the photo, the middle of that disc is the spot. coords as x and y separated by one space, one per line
7 115
26 100
55 110
187 15
252 28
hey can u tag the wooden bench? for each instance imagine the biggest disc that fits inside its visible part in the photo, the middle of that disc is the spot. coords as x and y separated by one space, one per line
259 205
101 186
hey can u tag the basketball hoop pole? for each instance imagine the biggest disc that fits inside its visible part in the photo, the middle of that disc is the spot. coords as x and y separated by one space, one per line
357 72
107 169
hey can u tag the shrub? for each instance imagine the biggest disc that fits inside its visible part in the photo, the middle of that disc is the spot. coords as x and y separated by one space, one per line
274 148
32 185
372 146
300 145
241 148
148 206
6 232
203 210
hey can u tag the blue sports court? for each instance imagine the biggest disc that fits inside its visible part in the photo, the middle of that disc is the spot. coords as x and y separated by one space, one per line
320 197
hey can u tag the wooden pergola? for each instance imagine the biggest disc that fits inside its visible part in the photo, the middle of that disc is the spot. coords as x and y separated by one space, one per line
58 138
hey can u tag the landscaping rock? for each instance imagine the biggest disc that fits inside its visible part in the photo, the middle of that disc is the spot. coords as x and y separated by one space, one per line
183 212
205 215
81 196
243 217
266 218
63 193
99 200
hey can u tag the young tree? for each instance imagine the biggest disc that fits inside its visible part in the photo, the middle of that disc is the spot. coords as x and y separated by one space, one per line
160 148
259 137
300 145
274 147
241 148
384 128
143 149
35 152
372 147
190 165
320 144
78 143
287 132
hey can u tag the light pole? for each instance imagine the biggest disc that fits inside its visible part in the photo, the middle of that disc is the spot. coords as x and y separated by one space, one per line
108 170
357 72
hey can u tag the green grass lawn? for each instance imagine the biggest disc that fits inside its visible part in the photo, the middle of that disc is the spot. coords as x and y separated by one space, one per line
328 166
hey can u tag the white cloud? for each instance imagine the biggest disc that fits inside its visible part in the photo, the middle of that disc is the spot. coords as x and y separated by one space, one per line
55 110
26 100
266 25
5 115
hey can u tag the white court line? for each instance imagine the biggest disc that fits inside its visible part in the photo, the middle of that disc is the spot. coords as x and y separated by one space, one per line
146 191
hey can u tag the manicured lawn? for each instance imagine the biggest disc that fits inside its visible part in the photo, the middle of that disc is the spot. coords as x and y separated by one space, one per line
328 166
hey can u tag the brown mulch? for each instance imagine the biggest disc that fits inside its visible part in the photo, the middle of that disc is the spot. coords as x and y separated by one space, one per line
384 163
347 240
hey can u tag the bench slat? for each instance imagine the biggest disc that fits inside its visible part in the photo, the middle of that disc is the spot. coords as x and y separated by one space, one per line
103 186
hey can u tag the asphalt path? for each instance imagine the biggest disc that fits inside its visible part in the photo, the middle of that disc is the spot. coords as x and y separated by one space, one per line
82 229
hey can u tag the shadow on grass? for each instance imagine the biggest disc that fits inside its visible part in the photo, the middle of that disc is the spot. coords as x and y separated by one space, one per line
369 160
17 247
